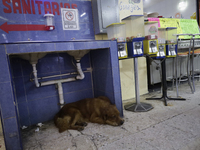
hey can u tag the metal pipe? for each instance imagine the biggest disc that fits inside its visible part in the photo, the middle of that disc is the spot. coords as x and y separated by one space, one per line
193 64
35 75
176 71
79 70
57 81
60 92
137 93
188 67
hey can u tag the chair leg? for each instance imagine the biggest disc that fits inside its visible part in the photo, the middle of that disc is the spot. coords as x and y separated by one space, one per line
180 70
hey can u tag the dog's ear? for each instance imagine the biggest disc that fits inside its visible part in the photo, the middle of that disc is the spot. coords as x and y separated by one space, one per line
105 117
104 113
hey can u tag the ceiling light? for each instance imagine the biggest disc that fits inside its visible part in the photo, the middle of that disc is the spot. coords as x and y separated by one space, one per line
182 5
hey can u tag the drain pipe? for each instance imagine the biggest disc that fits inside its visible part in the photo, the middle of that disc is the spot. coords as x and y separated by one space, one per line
35 75
60 92
59 82
81 75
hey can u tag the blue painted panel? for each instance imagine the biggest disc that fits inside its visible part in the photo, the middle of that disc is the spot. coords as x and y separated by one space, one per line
55 35
7 100
56 46
29 48
43 110
47 64
11 134
65 62
34 93
19 89
35 15
85 61
103 80
78 95
100 59
12 36
97 44
118 102
26 67
98 93
10 15
86 32
16 68
116 80
5 76
64 46
24 116
78 85
12 48
114 54
85 13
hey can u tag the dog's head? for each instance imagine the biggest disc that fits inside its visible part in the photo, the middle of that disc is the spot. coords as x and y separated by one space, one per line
111 116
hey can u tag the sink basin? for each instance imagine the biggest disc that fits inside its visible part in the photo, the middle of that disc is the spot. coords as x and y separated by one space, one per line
32 57
78 54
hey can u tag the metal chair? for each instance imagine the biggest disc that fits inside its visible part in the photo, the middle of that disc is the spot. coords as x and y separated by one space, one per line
176 71
182 55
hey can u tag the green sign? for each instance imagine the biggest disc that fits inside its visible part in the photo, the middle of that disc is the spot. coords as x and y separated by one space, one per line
189 26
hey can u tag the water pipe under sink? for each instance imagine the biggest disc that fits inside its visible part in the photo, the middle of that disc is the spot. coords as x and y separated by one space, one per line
33 59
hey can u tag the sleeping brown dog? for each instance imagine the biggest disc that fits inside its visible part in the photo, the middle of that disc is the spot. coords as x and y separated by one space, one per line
96 110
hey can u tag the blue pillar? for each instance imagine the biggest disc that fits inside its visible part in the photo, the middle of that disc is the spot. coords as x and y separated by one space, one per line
7 105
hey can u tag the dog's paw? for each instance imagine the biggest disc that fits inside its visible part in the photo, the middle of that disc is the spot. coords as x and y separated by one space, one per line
85 124
80 129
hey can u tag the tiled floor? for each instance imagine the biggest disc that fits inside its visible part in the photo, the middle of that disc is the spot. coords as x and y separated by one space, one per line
173 127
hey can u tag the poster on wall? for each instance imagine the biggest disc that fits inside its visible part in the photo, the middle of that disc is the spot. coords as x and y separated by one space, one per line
130 7
70 20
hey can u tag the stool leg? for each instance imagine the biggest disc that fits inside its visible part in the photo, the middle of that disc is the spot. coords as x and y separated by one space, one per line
164 89
177 94
188 68
173 76
180 70
137 107
193 66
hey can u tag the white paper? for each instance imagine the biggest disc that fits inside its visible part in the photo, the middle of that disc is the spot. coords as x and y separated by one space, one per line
123 53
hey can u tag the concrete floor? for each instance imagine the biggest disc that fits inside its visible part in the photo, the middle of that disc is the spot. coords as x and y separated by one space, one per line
2 144
173 127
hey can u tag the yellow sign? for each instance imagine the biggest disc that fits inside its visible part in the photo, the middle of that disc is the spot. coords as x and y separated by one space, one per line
184 26
171 22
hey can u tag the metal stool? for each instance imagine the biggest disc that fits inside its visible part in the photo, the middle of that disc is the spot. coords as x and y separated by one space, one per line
176 73
193 53
197 53
164 96
138 106
181 55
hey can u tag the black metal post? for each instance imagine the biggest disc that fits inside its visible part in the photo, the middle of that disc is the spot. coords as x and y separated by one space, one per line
164 96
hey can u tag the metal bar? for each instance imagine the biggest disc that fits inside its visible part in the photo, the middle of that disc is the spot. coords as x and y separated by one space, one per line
193 64
137 93
188 67
176 71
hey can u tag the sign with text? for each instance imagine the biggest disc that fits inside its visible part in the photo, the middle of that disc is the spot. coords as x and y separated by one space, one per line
155 19
70 20
171 22
130 7
189 26
24 20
